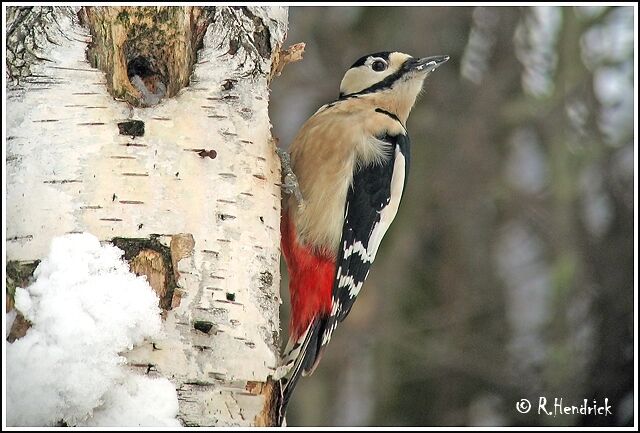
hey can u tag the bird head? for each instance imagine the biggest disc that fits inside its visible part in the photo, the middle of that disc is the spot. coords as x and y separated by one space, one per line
394 79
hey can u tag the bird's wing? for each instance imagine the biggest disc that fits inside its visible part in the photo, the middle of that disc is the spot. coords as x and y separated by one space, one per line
372 204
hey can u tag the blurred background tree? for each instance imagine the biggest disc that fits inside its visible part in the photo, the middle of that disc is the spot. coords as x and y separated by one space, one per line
508 272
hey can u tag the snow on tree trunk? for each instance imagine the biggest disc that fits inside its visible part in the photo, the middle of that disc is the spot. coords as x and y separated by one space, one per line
188 187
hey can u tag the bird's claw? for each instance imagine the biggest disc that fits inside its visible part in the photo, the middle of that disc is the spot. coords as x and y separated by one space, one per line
289 183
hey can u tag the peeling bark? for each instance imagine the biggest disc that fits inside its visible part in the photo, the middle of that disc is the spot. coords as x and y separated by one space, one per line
189 188
283 57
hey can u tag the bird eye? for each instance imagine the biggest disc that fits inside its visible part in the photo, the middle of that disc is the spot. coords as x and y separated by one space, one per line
379 65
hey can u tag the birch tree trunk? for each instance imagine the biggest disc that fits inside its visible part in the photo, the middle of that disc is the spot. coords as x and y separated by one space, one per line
187 187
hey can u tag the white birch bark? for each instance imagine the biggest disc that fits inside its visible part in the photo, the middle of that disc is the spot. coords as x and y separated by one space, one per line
69 170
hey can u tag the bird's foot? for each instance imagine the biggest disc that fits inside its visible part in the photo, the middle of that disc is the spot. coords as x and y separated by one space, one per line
289 183
281 372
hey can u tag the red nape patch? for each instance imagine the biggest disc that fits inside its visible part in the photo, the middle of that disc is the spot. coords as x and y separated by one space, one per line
311 276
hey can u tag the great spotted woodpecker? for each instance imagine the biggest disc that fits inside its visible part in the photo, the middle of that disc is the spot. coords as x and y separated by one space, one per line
351 159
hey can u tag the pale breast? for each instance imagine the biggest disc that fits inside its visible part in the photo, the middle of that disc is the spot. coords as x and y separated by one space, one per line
324 156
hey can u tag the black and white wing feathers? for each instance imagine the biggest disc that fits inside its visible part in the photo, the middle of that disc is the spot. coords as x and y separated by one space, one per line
372 203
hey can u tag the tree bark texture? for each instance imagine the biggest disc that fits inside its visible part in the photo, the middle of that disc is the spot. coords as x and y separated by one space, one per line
187 187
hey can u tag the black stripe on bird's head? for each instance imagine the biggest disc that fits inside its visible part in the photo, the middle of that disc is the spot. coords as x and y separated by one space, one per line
387 70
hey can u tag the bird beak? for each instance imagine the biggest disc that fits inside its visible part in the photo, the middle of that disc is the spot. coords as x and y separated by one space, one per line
429 64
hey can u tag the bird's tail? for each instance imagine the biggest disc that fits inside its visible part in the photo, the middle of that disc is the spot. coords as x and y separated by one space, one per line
301 357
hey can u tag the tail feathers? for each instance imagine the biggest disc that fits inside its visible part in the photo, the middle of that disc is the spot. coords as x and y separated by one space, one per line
303 354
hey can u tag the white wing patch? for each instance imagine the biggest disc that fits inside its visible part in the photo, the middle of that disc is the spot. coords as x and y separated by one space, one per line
387 215
348 281
388 212
326 336
357 247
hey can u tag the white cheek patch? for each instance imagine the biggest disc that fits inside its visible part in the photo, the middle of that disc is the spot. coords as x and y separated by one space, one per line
358 79
363 77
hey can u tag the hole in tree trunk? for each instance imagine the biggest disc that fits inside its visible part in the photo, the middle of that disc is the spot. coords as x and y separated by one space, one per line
147 53
203 326
140 66
146 76
133 128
